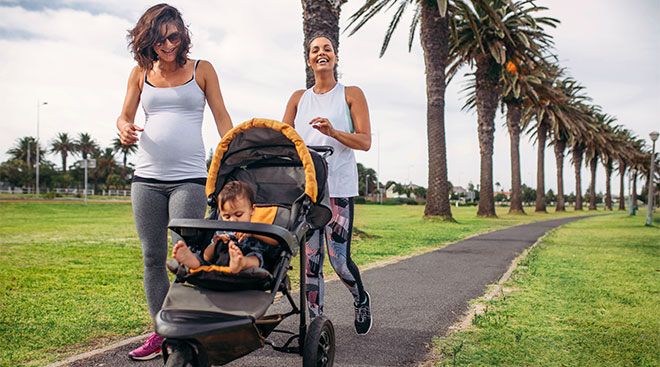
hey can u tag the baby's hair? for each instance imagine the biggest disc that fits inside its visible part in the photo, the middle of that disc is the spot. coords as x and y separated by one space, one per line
235 190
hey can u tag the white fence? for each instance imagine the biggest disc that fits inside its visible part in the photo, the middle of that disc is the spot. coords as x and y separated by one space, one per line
66 191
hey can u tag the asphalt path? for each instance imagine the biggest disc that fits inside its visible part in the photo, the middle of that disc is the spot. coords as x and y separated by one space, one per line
412 301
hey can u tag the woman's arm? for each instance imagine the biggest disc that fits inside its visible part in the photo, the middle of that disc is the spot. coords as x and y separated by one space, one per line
211 87
125 122
357 104
292 108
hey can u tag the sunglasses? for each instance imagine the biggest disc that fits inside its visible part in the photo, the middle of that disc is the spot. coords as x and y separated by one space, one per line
173 38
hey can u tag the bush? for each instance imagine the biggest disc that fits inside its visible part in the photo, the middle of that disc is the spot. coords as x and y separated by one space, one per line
51 195
400 201
359 200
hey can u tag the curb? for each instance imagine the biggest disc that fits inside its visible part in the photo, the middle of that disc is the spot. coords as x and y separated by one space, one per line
92 353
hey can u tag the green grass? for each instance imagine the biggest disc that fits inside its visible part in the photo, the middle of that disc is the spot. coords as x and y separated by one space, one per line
71 275
588 295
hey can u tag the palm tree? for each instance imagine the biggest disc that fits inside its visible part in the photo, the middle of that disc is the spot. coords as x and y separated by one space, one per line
623 156
25 150
614 151
320 16
545 112
125 150
524 54
492 44
595 147
431 17
85 145
63 145
105 165
570 119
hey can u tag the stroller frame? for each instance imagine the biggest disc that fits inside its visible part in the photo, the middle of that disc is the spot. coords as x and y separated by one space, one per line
204 335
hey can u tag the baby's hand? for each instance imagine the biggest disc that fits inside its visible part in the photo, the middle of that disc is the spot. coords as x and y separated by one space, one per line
221 237
240 236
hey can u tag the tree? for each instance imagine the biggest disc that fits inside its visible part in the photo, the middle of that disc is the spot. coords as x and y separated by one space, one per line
431 17
15 172
85 145
550 196
25 150
528 194
489 42
570 120
366 176
595 146
63 145
419 192
105 166
125 150
320 16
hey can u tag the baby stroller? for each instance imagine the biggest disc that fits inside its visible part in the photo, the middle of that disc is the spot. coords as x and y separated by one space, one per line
222 316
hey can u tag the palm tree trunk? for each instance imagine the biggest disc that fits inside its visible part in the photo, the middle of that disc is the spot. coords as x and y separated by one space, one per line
608 193
513 124
64 162
487 97
320 16
560 146
592 185
541 133
622 192
577 162
435 43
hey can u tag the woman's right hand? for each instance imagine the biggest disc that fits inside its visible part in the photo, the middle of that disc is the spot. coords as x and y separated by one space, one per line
128 133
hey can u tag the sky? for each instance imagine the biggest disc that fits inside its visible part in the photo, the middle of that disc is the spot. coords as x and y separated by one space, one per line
73 55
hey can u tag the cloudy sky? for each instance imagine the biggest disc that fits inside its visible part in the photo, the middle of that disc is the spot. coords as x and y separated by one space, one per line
73 54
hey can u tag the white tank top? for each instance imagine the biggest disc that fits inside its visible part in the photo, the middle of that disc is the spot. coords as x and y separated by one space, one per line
171 147
342 168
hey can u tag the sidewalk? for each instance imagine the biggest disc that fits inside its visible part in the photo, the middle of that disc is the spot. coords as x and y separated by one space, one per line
412 301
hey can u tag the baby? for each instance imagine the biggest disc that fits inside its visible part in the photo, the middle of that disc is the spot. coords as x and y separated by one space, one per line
245 250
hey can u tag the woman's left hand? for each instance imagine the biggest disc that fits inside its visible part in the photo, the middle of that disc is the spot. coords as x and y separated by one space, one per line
323 125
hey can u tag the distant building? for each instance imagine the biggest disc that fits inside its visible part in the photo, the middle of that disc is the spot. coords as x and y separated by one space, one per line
459 190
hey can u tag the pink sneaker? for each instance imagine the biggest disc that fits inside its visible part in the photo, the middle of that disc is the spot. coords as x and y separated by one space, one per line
149 350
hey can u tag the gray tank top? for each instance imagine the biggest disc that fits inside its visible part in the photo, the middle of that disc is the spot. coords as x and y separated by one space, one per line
171 147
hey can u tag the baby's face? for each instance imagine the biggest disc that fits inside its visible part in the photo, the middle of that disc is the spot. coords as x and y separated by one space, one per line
238 210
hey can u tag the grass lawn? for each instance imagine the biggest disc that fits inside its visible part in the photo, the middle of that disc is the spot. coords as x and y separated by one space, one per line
71 275
587 295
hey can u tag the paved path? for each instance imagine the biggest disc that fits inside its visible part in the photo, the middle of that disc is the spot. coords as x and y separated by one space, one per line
412 301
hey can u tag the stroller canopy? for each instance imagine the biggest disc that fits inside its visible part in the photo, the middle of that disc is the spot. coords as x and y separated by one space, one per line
273 158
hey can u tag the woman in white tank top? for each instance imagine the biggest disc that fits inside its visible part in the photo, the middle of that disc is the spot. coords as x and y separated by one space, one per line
171 171
332 114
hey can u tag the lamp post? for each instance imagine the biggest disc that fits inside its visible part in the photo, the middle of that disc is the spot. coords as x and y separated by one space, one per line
649 215
630 203
39 104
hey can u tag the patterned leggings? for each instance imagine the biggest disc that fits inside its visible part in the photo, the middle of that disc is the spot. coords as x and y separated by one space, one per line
338 238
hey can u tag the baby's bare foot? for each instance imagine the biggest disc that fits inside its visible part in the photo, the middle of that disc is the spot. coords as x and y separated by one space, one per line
236 259
184 256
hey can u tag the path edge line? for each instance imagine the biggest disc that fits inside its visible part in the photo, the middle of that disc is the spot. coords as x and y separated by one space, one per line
95 352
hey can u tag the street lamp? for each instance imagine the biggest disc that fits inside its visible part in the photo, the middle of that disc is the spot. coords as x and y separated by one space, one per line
39 104
649 215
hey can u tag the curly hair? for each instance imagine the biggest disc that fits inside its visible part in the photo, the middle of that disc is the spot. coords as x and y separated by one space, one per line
236 190
146 34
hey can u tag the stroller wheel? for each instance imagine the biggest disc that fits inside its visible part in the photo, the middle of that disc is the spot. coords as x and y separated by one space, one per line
319 349
181 354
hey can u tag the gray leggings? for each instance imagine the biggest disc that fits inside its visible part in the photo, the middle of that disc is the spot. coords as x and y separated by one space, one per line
153 206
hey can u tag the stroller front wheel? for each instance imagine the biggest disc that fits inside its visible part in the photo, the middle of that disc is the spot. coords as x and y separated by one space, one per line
182 354
319 350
